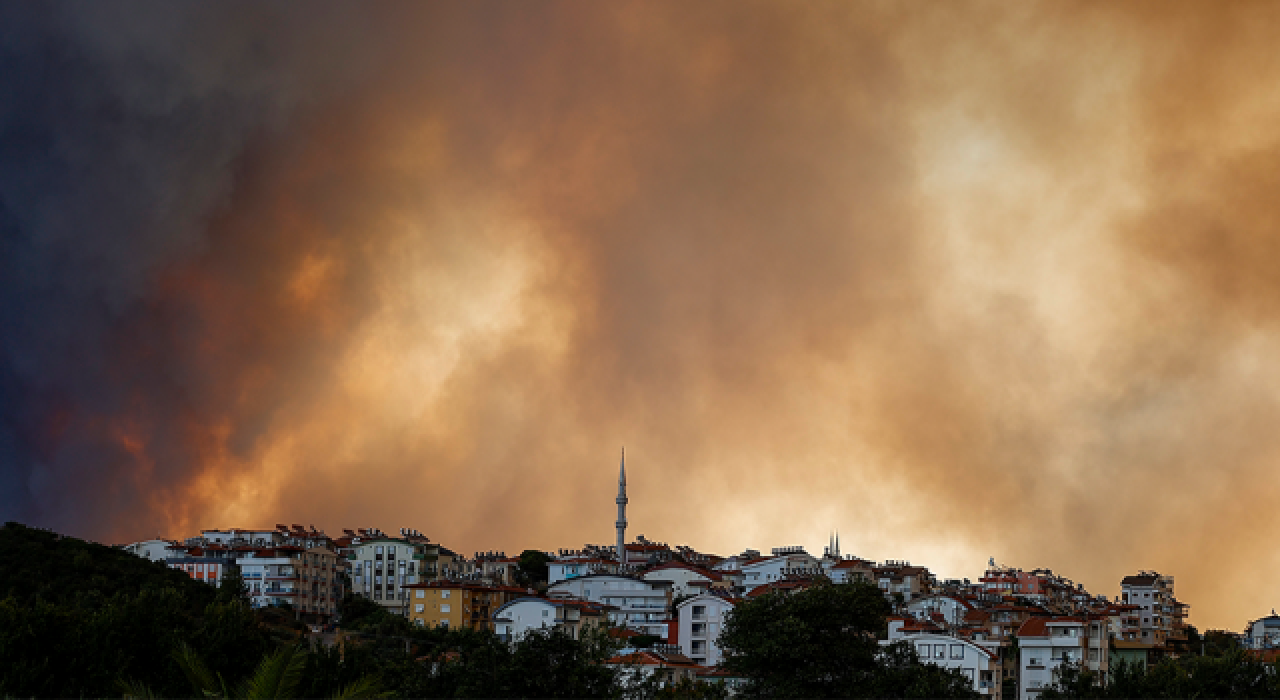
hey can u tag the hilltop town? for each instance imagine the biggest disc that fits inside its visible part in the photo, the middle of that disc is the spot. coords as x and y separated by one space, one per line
1007 632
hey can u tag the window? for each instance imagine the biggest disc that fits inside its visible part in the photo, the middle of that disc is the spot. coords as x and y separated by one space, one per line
699 629
444 594
545 613
699 646
957 651
1093 654
377 550
421 593
444 607
444 624
419 607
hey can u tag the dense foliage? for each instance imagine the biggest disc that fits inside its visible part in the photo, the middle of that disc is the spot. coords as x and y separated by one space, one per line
42 565
822 642
533 567
1232 675
77 618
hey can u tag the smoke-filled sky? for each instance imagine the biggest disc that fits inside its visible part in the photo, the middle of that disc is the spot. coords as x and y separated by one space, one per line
962 280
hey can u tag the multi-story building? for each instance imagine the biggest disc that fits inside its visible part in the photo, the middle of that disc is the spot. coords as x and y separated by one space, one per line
1046 643
516 618
636 603
1041 586
201 568
949 611
783 563
1263 633
497 568
849 569
700 620
381 566
309 581
155 550
663 663
574 563
1161 616
681 578
901 578
457 604
979 664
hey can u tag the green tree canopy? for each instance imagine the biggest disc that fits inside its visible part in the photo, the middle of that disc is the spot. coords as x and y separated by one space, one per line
1232 675
532 568
823 642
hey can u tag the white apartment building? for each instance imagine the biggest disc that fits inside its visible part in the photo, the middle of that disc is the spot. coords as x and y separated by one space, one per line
1160 614
849 570
1263 633
155 550
309 581
784 562
637 604
949 609
574 566
516 618
1046 643
980 665
700 620
381 566
681 579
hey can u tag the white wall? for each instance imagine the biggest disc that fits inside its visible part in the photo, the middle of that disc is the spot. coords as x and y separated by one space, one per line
641 605
715 611
155 550
514 619
678 577
955 653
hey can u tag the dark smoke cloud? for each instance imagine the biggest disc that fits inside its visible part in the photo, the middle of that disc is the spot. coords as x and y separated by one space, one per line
963 282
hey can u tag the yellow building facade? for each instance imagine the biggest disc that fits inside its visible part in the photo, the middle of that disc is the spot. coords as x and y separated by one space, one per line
457 604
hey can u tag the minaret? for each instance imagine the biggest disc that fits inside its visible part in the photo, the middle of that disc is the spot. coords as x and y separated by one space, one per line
622 510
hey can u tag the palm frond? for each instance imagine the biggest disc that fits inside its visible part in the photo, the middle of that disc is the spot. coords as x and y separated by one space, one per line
197 673
276 677
135 690
364 687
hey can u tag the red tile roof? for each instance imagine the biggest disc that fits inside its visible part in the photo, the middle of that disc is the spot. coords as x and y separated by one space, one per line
1039 626
648 658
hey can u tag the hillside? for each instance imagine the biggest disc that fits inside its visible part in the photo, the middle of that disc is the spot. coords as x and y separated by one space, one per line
39 564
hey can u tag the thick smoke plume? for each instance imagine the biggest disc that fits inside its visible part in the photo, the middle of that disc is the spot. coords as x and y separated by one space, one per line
959 280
